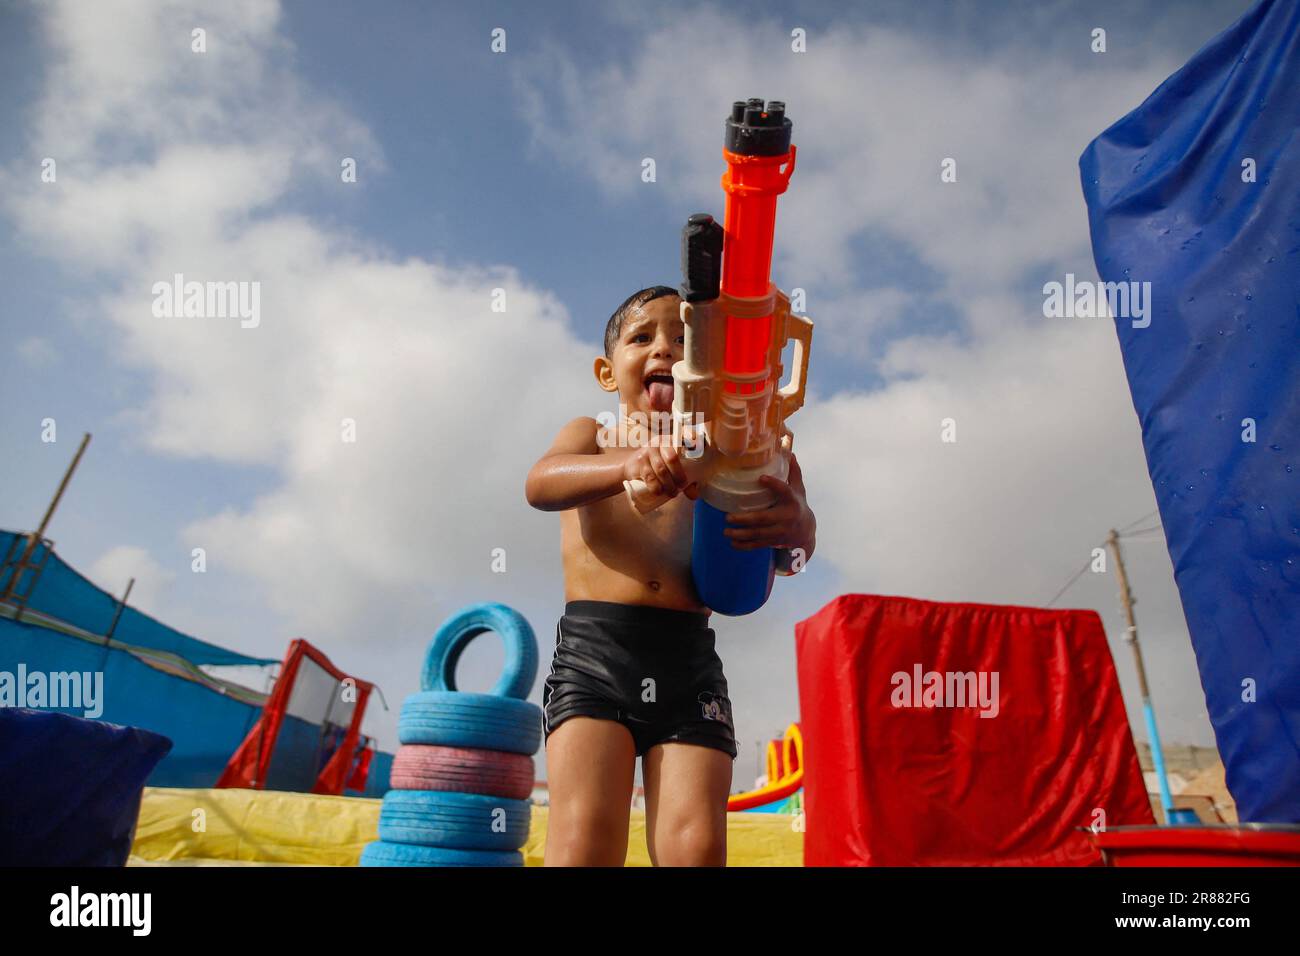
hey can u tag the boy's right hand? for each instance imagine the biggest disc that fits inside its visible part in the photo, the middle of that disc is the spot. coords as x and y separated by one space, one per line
659 465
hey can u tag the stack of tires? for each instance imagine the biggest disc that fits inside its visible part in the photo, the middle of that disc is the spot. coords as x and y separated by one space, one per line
464 773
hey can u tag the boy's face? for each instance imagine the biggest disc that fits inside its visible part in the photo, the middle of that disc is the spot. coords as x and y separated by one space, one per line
641 368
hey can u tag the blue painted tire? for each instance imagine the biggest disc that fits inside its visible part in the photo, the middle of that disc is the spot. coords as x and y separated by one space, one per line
402 854
444 652
447 718
458 821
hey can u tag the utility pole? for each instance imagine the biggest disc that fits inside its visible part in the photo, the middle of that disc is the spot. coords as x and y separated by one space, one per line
1172 815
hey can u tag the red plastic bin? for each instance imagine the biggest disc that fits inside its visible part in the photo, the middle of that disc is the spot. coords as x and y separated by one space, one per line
1241 844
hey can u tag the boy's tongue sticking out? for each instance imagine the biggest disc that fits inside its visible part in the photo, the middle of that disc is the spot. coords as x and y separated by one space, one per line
660 390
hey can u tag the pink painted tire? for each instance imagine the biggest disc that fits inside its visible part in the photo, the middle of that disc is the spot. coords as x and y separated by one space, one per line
462 770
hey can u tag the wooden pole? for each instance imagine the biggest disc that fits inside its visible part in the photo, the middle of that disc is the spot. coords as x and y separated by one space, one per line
1126 599
39 533
121 605
1172 815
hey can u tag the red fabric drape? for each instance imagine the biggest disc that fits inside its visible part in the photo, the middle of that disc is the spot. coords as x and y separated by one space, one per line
888 782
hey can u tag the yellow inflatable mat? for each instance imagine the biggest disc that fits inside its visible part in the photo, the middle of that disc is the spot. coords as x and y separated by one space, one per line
195 827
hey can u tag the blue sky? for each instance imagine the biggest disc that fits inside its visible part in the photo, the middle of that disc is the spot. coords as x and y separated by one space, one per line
521 171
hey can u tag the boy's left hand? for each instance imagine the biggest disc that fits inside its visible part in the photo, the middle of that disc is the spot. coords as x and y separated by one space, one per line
789 523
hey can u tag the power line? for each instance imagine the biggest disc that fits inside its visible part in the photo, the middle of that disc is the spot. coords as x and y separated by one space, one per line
1139 521
1078 574
1067 584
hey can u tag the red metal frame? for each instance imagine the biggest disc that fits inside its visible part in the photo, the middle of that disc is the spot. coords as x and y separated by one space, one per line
250 763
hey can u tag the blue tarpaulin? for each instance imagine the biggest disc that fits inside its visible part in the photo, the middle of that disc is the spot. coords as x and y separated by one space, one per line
61 590
145 678
72 788
205 727
1197 191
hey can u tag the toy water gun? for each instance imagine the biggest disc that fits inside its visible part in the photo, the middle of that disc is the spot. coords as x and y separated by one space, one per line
726 387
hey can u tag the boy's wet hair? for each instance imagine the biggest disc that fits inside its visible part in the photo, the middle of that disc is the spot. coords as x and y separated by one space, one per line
614 327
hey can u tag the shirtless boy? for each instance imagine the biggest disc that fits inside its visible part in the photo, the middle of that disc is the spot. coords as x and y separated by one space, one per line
635 673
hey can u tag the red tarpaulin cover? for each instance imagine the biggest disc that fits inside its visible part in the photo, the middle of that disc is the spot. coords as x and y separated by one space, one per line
892 780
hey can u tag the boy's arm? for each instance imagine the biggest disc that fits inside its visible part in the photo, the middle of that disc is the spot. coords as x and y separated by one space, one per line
573 472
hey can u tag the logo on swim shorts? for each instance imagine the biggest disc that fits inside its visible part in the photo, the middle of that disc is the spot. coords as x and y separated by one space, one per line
714 707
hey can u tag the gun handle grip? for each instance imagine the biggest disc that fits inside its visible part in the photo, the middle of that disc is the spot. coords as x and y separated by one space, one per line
798 330
638 493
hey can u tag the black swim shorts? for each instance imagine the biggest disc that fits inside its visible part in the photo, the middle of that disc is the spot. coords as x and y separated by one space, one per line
654 670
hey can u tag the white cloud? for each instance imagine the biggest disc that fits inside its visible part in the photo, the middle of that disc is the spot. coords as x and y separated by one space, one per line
175 162
171 161
117 567
875 111
37 352
1049 453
